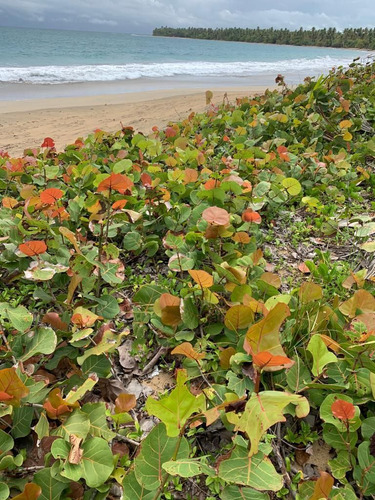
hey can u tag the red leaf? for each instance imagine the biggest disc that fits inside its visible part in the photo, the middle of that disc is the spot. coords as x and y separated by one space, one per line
146 180
32 248
265 358
343 410
116 182
250 216
51 195
48 143
283 153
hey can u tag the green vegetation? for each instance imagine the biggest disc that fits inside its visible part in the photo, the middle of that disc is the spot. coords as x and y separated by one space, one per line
358 38
233 250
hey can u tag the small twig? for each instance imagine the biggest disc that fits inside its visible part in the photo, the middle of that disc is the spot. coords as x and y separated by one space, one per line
150 365
128 440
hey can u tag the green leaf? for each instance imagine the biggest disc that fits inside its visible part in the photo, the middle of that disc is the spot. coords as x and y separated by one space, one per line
43 341
320 353
42 427
264 410
22 418
340 465
108 306
242 493
256 471
174 410
298 376
339 440
366 461
6 443
292 186
4 491
97 364
51 487
20 317
97 462
133 490
187 467
157 449
132 241
78 423
98 420
109 343
76 395
189 315
343 494
368 427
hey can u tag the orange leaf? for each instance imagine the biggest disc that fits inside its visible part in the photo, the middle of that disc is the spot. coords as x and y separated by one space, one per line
55 405
250 216
203 279
323 486
116 182
186 349
32 248
330 343
303 268
9 202
125 402
216 215
283 153
211 184
51 195
191 175
118 205
265 358
12 389
31 491
343 410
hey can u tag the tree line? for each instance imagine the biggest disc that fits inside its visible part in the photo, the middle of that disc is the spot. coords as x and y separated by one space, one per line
359 38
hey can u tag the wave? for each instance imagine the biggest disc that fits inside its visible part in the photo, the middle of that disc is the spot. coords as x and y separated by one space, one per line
105 73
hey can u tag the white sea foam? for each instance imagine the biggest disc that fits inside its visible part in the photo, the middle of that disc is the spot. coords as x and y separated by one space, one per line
97 73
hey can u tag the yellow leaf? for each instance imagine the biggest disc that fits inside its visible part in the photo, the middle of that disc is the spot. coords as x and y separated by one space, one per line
346 124
186 349
347 136
238 317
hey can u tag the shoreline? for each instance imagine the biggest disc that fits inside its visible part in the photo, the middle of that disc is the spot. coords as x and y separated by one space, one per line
25 123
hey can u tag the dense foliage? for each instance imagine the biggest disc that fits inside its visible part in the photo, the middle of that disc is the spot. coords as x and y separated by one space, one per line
232 250
360 38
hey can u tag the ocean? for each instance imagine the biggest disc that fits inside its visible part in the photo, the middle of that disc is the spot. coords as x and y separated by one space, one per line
37 63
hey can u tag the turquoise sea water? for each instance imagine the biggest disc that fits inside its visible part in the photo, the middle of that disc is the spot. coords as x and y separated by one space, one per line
53 57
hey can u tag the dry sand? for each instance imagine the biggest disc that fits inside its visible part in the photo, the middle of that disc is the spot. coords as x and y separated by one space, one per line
24 124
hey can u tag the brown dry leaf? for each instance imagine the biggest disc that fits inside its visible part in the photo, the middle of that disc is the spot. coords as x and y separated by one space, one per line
186 349
125 402
323 486
75 454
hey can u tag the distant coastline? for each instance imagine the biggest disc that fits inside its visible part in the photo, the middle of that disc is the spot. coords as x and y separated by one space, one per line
349 38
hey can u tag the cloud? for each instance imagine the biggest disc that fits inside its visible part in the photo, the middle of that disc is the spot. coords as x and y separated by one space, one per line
141 16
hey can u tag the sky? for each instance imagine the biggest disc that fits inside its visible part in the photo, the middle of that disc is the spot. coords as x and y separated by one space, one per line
141 16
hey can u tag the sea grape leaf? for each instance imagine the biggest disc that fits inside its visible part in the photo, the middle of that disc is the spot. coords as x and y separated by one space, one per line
135 491
309 292
362 300
20 318
292 186
187 467
4 491
22 418
42 427
264 335
202 278
43 341
340 465
234 492
6 442
97 462
256 471
327 415
78 423
238 317
174 410
75 395
157 448
320 353
98 420
264 410
323 486
31 491
51 487
189 313
186 349
12 389
109 343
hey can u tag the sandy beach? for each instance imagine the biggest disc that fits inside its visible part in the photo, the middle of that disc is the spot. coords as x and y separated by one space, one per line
25 123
